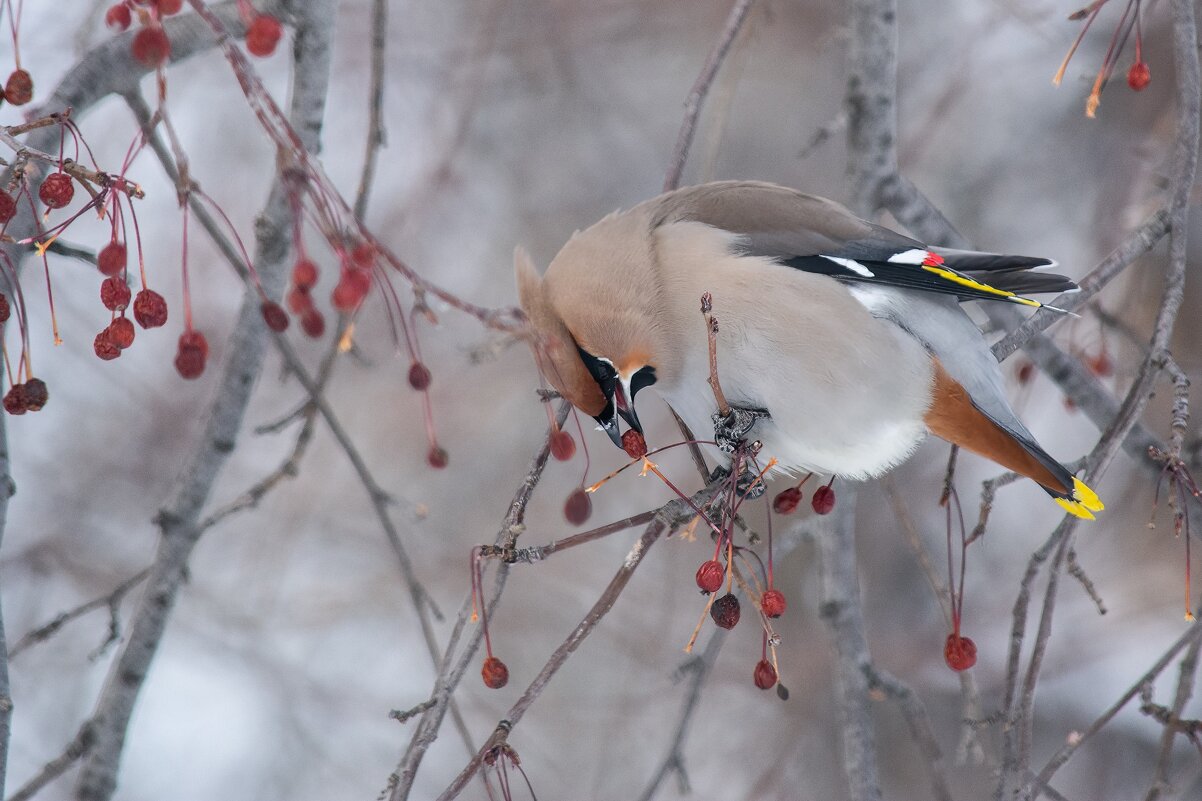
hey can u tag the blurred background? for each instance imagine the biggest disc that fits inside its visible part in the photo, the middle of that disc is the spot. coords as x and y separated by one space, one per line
517 122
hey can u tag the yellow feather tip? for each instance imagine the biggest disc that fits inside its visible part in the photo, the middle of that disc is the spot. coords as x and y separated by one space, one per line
1083 503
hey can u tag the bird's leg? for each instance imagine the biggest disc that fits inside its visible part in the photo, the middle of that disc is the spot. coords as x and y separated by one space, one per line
731 429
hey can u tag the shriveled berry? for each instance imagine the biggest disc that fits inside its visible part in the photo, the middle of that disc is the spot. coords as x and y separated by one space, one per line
36 394
773 603
104 347
823 501
111 258
5 311
57 190
151 46
494 673
18 89
786 501
121 332
710 576
304 274
194 340
725 611
299 300
634 444
274 315
1139 76
563 447
14 399
419 376
8 207
114 293
313 323
960 653
578 507
437 458
192 353
765 675
263 35
150 309
118 17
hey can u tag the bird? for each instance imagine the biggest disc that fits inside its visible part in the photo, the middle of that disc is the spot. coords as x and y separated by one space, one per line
843 340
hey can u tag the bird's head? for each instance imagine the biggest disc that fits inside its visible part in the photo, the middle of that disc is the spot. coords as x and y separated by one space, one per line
596 342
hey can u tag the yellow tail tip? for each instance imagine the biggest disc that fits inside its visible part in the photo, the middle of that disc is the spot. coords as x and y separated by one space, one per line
1083 503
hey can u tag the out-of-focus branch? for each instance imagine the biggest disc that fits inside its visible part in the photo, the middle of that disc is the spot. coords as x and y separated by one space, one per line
375 124
871 102
7 489
1187 675
919 723
110 600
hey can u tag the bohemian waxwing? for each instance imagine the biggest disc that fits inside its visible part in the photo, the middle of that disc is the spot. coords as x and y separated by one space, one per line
849 335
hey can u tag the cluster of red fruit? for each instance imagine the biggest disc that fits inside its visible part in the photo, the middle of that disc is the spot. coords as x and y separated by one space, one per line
822 502
30 396
726 611
151 46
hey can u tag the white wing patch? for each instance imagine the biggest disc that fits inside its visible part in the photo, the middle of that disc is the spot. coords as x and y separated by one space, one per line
911 256
852 265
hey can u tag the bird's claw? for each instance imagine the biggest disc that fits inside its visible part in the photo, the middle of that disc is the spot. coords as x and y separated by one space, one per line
731 430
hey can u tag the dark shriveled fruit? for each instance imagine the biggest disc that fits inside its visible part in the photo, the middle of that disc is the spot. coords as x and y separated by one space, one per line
495 673
578 507
765 675
725 611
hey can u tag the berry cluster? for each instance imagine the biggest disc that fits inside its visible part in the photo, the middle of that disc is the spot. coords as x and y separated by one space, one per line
152 47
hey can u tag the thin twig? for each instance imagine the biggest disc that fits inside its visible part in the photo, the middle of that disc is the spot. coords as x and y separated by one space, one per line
375 124
1187 674
109 601
919 724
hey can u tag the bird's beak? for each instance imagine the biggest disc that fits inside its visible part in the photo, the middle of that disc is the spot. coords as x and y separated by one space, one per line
608 420
625 404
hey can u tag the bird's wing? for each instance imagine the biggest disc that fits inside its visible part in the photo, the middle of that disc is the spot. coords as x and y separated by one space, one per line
820 236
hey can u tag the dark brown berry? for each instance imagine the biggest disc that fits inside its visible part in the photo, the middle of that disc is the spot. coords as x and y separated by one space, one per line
121 332
419 376
437 458
150 309
104 347
304 274
111 258
563 447
57 190
8 207
578 507
274 315
634 444
18 89
1139 76
823 501
785 503
263 35
494 673
710 576
36 394
14 399
114 293
960 653
313 323
725 611
765 675
118 17
5 311
151 46
773 603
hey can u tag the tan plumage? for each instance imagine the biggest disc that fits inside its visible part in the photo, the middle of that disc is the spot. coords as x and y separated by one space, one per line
849 334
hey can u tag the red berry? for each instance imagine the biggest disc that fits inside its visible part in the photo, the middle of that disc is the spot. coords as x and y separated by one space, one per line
299 300
111 259
8 207
960 653
105 347
785 503
1101 365
150 310
419 376
121 332
151 46
710 576
169 7
363 255
823 501
563 447
14 399
194 340
634 444
5 311
360 280
36 394
773 603
765 675
18 90
304 274
114 293
1139 76
313 323
192 354
494 673
345 296
263 35
437 458
725 611
1026 371
118 17
274 315
57 190
578 507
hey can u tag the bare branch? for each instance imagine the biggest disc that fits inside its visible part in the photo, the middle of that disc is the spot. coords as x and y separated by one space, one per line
110 601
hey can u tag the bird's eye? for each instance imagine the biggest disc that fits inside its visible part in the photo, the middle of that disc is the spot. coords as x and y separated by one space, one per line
644 377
